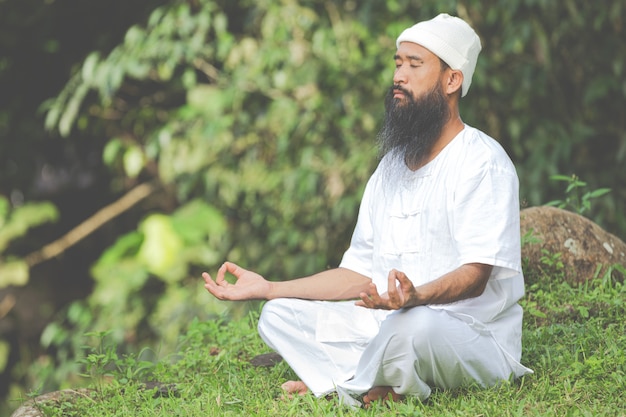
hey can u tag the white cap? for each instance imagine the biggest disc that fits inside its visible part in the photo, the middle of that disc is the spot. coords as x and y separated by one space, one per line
451 39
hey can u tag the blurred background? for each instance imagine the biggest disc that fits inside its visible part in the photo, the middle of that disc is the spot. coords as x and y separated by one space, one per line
145 141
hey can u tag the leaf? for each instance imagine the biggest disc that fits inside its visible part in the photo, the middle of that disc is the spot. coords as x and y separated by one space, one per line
22 218
111 150
5 350
126 246
161 246
599 192
537 313
52 334
4 210
134 35
89 67
559 177
206 99
115 282
70 113
13 273
197 220
134 161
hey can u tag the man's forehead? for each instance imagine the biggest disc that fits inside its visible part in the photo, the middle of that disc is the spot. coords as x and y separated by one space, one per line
410 50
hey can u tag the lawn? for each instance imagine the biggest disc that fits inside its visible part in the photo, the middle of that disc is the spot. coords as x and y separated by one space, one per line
574 339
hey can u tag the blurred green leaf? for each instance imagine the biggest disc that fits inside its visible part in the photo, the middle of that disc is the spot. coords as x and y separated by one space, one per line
23 218
133 161
161 245
199 222
13 272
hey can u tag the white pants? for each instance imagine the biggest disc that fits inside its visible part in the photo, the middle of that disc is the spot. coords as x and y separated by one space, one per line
339 346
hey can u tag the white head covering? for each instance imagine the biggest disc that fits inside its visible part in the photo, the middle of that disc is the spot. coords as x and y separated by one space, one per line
451 39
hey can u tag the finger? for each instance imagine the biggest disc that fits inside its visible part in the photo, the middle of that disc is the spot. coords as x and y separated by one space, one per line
221 273
212 287
406 285
402 278
392 288
391 282
234 269
371 298
366 301
373 292
209 284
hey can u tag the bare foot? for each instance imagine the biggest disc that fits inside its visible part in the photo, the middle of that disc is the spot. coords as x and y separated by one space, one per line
381 393
294 387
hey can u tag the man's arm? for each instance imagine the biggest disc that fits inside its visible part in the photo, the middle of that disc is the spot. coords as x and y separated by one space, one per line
467 281
333 284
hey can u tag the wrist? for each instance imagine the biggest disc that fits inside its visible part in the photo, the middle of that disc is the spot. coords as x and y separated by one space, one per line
271 290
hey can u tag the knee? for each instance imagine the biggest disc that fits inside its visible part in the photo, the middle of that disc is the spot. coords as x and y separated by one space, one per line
417 320
278 316
413 327
270 313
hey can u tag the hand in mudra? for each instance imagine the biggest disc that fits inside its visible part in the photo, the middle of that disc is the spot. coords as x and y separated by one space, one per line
248 285
396 297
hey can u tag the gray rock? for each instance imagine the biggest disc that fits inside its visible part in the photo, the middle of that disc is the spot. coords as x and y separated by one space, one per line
586 250
31 408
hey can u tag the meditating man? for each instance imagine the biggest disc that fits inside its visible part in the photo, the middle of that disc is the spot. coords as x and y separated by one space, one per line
426 294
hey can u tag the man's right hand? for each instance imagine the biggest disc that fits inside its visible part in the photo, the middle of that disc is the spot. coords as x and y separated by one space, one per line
249 285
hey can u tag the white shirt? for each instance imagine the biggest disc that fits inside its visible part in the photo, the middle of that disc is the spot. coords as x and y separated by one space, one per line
462 207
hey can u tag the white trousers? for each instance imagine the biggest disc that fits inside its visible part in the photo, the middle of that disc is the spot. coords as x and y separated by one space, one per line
339 346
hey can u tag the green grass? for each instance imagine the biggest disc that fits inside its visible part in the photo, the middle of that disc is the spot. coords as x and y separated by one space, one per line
574 339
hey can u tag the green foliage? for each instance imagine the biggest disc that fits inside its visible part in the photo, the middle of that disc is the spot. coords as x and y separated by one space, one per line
545 89
283 96
580 204
97 359
15 222
163 253
172 35
265 153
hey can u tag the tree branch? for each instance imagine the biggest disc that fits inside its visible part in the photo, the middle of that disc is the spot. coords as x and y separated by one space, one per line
91 224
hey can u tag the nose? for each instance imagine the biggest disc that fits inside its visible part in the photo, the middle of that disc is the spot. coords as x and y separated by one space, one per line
399 75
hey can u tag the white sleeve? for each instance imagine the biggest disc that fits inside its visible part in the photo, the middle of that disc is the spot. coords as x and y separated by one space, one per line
359 255
485 222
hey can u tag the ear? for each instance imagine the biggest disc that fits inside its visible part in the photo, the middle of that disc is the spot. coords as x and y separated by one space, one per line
453 81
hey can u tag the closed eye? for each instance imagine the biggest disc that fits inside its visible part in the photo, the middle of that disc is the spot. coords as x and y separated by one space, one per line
414 61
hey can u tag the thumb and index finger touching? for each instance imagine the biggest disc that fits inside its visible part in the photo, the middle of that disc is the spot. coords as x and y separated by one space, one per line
216 286
230 267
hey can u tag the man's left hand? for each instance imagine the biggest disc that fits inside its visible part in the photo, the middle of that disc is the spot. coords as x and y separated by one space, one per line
396 297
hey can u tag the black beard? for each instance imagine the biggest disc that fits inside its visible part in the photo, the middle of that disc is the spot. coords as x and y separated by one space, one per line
412 126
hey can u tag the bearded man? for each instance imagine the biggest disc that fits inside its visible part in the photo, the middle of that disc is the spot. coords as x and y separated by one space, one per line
434 263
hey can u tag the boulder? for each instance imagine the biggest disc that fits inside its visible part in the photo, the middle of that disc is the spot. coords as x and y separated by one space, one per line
586 250
32 407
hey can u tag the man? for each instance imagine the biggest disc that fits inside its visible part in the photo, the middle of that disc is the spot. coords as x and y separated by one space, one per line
434 261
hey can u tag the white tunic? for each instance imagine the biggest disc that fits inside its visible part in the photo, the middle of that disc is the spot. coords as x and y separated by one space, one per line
460 208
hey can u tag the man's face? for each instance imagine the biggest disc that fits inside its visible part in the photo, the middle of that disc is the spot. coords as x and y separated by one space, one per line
417 71
416 108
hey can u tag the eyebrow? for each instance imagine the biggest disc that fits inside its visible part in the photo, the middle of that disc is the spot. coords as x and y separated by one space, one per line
410 58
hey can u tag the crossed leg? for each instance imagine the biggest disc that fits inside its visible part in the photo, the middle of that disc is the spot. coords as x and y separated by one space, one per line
295 387
382 393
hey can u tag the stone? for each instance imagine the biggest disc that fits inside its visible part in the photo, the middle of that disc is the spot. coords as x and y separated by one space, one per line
31 409
586 250
266 359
